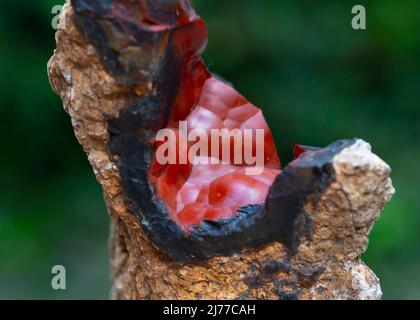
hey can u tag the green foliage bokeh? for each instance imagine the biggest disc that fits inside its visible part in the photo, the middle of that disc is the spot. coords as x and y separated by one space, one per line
316 78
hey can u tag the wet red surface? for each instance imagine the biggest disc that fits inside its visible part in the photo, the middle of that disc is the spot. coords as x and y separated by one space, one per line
196 191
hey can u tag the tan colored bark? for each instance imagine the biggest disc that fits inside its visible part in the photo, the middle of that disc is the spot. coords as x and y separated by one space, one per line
327 266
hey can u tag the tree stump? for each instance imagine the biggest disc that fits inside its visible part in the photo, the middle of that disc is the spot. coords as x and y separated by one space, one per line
322 206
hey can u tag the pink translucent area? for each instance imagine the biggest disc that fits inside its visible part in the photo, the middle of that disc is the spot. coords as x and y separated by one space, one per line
194 193
214 192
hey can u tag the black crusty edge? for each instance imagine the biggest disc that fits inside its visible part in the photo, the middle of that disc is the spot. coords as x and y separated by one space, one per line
282 218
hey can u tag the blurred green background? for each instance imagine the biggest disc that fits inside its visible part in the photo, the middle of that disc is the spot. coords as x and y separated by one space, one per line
316 78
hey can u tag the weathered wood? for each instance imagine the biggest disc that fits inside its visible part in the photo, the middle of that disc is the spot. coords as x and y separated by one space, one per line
325 262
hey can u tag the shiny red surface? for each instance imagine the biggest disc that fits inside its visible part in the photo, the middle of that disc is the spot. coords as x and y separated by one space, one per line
193 193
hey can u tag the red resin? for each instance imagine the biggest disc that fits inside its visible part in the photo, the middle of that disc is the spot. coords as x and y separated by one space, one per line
298 150
193 193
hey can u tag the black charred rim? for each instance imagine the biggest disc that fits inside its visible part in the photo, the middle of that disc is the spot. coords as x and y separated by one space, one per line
282 218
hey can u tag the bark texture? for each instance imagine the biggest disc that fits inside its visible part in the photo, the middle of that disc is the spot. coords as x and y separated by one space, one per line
326 263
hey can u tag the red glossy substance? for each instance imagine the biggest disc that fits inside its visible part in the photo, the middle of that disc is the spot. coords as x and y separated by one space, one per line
193 193
298 150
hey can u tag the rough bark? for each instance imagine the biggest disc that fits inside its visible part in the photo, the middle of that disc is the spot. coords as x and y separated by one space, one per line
325 264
